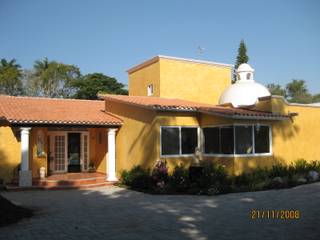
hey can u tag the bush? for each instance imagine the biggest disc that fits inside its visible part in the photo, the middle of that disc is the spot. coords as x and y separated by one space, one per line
137 178
179 180
160 176
214 178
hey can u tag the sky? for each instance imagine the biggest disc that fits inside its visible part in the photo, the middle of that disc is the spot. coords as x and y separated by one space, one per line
282 37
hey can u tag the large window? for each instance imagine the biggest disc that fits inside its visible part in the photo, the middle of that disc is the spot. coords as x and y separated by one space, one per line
178 140
237 139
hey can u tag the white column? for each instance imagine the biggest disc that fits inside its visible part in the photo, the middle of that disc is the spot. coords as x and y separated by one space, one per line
111 164
25 175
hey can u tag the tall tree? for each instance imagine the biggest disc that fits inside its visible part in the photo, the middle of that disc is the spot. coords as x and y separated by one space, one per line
90 85
297 91
276 89
10 77
52 79
242 54
242 57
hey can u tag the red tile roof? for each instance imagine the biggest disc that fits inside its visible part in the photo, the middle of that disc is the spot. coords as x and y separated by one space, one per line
168 104
36 110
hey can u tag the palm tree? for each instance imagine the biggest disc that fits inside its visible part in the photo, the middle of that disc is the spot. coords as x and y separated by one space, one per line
10 77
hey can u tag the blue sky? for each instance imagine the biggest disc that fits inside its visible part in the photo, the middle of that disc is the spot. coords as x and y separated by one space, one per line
282 37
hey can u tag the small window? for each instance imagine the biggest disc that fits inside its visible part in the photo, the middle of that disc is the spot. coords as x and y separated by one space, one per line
170 141
261 139
150 90
248 76
189 140
211 140
244 139
226 140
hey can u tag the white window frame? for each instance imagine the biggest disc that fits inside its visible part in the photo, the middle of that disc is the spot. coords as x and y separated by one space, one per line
150 90
234 141
180 146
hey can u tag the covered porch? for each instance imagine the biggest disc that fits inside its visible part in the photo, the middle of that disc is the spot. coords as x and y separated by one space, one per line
60 153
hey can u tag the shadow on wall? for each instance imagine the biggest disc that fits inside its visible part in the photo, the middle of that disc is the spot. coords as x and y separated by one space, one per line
8 170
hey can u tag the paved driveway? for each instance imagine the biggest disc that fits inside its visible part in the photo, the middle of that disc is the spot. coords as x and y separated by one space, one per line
114 213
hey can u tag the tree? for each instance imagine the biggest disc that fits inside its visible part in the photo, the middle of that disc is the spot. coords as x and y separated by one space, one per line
52 79
242 57
10 77
276 89
242 54
297 91
90 85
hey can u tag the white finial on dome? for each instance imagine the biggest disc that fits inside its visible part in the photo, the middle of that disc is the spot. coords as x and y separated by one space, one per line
245 91
245 72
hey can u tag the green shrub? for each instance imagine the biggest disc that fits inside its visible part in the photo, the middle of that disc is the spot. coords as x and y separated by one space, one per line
137 178
278 170
179 180
213 176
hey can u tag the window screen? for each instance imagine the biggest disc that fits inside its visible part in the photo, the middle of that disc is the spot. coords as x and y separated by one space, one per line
169 141
226 140
189 140
211 140
262 141
244 139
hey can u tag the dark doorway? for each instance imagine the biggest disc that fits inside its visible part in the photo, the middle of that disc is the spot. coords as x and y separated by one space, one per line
74 152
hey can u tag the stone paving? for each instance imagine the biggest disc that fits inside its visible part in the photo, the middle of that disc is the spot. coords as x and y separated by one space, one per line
115 213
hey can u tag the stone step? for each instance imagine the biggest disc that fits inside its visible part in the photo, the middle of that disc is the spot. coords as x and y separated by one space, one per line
14 187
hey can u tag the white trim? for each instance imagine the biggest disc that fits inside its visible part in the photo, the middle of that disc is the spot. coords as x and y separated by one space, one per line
315 105
24 139
111 155
180 142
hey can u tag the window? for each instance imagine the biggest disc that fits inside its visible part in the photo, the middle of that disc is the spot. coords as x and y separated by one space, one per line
170 141
226 140
189 140
212 140
248 76
261 139
243 139
178 140
248 139
150 90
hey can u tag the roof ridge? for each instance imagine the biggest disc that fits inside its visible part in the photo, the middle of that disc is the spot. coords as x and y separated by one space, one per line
48 98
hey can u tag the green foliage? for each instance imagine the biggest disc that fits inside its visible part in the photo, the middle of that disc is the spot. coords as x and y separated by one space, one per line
179 180
88 86
137 178
213 180
242 56
276 89
10 78
52 79
297 91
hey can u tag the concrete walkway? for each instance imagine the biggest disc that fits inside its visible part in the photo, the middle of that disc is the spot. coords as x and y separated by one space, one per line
114 213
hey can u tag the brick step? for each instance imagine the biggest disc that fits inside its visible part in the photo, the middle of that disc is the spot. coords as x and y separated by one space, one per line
14 187
68 182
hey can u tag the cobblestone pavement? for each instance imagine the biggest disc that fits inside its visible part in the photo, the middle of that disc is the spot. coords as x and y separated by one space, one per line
115 213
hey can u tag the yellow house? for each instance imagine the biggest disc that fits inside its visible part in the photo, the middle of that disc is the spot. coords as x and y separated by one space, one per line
175 107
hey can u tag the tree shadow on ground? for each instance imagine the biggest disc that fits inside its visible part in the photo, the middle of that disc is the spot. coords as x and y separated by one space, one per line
115 213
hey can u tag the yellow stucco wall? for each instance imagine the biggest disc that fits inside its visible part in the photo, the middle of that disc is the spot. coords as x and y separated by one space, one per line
139 80
98 148
193 81
187 80
9 153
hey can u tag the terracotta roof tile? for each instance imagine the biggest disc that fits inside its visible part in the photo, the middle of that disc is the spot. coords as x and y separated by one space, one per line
168 104
36 110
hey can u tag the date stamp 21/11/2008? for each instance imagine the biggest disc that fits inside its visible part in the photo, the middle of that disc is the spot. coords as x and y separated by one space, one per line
275 214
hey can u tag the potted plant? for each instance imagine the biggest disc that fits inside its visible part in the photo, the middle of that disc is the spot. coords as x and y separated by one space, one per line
91 168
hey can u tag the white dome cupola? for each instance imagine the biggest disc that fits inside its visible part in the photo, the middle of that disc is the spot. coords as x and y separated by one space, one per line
245 91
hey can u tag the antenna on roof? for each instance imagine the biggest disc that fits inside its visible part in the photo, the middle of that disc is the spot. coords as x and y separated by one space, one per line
200 50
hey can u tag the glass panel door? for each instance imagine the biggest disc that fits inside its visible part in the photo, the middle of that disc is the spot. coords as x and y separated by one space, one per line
59 153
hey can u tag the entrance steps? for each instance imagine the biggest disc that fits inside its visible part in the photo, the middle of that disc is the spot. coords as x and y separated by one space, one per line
65 181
